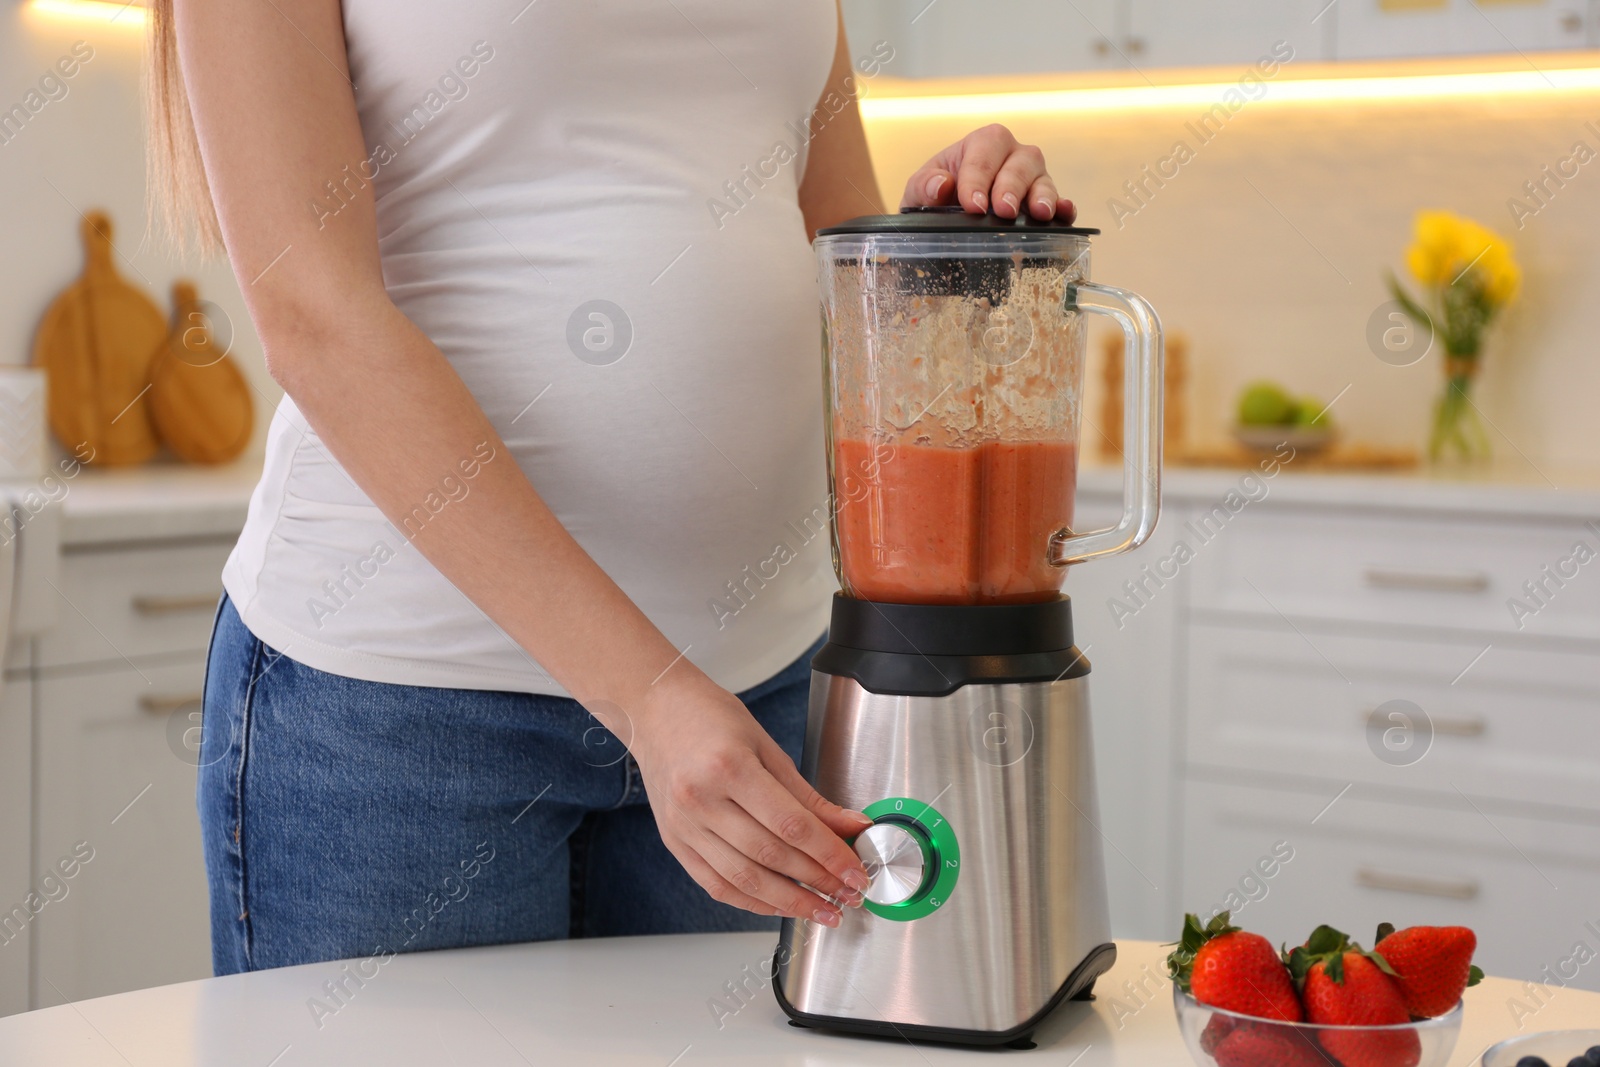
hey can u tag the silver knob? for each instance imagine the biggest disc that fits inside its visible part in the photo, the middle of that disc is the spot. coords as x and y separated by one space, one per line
894 862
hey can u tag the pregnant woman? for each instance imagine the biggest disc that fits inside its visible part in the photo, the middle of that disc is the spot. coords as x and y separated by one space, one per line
514 643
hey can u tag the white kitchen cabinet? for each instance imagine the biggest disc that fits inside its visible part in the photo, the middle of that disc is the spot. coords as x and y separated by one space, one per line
1236 33
1369 29
947 38
1353 688
116 683
952 38
117 788
142 599
1132 695
1498 720
1527 887
1384 567
97 764
16 876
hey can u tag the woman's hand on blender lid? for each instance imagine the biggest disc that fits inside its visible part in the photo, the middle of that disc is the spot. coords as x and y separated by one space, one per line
989 170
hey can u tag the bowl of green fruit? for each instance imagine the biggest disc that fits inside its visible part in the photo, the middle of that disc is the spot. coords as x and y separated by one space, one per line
1269 417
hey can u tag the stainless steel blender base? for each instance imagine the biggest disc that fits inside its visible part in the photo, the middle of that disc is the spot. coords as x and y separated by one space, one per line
1007 772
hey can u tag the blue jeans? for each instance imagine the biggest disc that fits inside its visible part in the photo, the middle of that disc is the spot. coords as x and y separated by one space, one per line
344 818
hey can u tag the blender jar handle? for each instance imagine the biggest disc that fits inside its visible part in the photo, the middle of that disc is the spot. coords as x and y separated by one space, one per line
1141 424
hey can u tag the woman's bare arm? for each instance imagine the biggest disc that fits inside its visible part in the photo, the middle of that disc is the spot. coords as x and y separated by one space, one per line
839 183
276 118
989 169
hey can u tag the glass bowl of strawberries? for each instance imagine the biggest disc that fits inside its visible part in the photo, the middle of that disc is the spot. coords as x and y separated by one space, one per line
1325 1003
1218 1038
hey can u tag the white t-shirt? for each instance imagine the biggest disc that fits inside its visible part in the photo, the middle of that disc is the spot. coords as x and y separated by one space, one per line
529 162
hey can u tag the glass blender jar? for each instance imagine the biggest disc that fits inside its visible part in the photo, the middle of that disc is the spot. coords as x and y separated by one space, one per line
954 351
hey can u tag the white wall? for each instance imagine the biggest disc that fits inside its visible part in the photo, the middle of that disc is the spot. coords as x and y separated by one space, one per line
82 151
1269 249
1278 282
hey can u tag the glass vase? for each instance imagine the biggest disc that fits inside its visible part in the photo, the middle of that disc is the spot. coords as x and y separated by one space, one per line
1458 433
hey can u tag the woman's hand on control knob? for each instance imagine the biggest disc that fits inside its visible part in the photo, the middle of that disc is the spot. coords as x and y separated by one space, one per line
734 810
989 170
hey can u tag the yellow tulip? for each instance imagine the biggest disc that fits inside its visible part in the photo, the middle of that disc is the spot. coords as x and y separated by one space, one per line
1448 246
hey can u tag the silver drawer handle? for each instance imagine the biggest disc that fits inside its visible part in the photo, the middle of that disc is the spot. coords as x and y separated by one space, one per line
1442 727
1460 727
174 605
159 705
1369 878
1427 581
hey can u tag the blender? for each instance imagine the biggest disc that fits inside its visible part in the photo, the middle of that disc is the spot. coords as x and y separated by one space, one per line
949 703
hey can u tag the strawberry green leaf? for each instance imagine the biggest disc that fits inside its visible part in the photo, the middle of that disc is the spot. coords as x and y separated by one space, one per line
1383 964
1299 961
1328 947
1180 965
1325 940
1474 975
1180 962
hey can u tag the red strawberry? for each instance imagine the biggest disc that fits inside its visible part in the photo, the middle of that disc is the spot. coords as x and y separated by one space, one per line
1432 964
1227 968
1216 1030
1392 1048
1343 985
1362 996
1267 1045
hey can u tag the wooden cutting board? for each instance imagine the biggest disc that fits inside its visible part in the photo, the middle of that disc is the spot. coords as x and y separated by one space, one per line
198 398
1339 456
95 344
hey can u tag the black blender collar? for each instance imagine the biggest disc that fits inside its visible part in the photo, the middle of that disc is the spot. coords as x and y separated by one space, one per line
951 219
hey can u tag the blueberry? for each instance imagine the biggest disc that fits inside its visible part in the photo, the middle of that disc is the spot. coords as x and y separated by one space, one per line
1593 1054
1531 1061
1580 1061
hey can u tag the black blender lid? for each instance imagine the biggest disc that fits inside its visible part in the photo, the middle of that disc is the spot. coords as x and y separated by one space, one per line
951 219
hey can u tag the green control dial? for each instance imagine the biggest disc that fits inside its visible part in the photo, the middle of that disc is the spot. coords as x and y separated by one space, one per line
911 854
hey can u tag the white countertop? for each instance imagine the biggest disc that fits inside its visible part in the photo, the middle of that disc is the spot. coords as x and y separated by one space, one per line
171 501
1510 488
642 1002
158 502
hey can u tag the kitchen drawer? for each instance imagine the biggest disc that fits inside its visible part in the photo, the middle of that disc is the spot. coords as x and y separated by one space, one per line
1456 573
1529 888
135 601
1521 723
115 785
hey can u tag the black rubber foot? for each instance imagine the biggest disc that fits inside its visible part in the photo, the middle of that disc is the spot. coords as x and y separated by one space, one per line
1087 992
1023 1043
